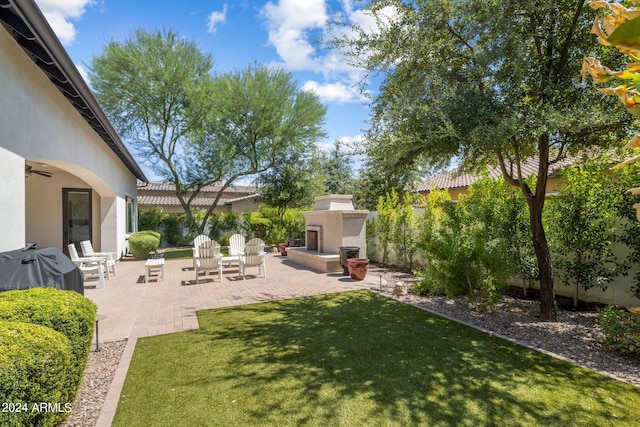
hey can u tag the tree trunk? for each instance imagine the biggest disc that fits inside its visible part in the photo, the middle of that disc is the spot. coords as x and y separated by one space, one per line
548 307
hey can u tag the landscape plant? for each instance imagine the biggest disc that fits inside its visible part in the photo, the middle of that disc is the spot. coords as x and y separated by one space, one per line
150 218
293 182
195 128
617 24
144 244
34 369
584 226
172 226
503 210
384 223
464 257
483 83
67 312
629 177
404 232
621 330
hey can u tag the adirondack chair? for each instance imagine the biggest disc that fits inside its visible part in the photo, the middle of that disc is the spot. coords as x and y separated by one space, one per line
199 240
109 257
209 259
236 247
90 266
254 256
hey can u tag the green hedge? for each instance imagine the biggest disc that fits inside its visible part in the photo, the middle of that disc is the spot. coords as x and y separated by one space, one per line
142 243
67 312
34 362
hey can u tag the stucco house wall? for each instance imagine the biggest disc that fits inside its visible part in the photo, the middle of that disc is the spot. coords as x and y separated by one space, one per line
12 205
39 125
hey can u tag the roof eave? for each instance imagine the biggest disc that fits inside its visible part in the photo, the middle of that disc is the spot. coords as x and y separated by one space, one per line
32 18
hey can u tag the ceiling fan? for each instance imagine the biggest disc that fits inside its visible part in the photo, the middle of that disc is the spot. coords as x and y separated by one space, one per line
28 171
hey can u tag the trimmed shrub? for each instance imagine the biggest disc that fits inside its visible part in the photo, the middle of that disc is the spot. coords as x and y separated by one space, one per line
621 330
34 365
144 243
67 312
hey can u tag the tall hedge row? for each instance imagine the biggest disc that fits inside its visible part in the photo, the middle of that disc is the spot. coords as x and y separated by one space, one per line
66 312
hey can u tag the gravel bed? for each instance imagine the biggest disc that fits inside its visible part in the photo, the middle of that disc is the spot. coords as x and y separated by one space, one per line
575 337
98 375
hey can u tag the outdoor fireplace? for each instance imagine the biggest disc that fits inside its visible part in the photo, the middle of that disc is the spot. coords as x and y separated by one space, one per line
333 223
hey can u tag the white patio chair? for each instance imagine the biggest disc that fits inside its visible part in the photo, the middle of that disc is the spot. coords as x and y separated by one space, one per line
200 239
209 259
90 266
254 256
109 257
236 247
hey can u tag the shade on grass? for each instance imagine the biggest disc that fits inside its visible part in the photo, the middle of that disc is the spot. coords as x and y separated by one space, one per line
357 358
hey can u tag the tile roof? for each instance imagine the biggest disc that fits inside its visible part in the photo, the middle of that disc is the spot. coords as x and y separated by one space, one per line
173 201
166 186
456 179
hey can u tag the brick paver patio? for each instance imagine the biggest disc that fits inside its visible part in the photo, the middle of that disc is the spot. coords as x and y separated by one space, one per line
134 309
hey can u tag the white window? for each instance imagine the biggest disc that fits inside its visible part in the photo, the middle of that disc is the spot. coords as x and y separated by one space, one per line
131 215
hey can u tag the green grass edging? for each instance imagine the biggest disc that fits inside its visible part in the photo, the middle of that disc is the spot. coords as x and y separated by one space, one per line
357 358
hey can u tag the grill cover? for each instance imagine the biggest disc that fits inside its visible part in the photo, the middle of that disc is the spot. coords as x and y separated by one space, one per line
39 268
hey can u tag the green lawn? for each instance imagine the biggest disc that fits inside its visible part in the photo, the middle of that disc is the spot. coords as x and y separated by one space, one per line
185 253
357 359
178 253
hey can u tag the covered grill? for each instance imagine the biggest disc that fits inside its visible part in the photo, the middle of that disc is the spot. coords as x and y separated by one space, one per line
39 268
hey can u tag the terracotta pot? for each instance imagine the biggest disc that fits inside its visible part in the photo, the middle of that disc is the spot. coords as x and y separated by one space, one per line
283 249
358 268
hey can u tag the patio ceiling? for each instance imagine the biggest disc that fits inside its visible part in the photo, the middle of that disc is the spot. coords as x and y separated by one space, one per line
25 23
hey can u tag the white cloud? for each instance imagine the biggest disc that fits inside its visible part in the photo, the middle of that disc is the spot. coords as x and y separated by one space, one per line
289 23
60 13
216 18
338 93
293 26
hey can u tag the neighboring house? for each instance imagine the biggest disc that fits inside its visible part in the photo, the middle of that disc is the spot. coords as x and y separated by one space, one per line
458 183
65 175
235 198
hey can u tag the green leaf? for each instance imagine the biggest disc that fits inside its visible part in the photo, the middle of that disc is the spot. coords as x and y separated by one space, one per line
627 35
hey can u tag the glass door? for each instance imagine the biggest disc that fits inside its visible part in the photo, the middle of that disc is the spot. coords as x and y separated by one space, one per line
76 217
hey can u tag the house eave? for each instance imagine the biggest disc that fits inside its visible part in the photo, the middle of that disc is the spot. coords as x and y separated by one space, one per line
25 23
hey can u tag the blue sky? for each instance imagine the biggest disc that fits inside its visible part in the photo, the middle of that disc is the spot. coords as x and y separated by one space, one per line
236 33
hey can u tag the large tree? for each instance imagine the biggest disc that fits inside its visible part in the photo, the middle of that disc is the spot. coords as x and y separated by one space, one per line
256 117
484 83
196 129
150 86
293 182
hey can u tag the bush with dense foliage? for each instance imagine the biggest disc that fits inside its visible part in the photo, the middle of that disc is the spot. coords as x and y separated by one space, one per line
144 243
621 330
465 259
150 218
67 312
34 364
